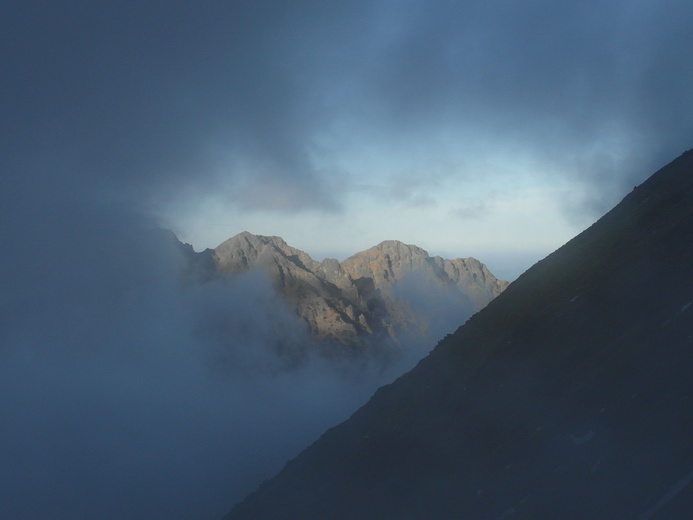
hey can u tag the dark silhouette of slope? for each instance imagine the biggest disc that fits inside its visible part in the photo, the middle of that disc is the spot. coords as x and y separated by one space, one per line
569 396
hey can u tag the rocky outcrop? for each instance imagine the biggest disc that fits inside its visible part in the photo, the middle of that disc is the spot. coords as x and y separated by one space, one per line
405 277
331 312
389 291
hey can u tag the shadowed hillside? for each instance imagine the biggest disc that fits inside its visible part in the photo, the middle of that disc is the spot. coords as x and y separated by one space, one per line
568 396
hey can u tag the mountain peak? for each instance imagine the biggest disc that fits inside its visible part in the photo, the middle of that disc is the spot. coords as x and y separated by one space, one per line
246 250
255 241
400 248
374 295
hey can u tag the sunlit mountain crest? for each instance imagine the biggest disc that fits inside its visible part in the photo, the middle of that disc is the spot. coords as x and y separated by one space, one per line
392 292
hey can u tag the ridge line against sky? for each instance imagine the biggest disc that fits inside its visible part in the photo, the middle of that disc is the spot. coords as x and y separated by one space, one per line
490 129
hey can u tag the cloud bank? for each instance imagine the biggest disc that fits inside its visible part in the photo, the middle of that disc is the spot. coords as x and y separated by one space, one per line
125 394
278 106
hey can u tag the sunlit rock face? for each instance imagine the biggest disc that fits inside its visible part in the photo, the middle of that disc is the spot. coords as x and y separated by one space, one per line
331 313
391 292
568 396
416 288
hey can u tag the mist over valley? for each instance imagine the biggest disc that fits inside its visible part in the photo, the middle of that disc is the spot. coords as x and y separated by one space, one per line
140 380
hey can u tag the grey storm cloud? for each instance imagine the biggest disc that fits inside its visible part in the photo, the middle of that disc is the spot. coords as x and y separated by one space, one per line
132 95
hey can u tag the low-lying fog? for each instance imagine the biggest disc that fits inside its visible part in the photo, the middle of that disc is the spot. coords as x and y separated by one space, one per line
128 394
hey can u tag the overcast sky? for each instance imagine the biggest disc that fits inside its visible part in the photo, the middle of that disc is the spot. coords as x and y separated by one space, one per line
494 129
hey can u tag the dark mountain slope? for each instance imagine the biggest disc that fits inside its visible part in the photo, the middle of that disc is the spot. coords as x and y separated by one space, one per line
569 396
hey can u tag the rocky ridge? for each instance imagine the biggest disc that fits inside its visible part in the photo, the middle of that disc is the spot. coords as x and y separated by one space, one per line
388 292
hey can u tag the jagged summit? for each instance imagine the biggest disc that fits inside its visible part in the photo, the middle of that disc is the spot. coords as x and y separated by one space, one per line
397 248
568 396
373 296
245 250
391 260
388 260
